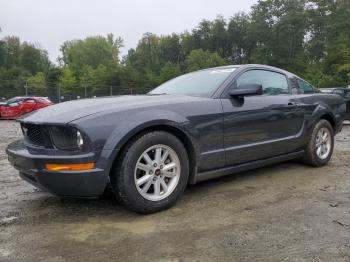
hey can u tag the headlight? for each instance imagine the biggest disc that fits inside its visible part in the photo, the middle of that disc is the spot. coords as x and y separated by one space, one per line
67 138
80 140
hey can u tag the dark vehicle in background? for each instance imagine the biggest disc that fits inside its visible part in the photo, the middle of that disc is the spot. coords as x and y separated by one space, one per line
343 92
19 106
198 126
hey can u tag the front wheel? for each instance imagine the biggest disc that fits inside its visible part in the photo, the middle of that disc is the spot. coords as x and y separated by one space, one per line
152 172
319 149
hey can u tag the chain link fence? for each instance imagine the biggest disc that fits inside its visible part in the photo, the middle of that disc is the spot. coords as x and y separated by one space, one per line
83 93
58 95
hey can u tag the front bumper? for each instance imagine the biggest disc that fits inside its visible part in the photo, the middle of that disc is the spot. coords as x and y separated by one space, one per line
86 183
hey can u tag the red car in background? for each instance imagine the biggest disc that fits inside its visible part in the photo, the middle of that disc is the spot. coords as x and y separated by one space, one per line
19 106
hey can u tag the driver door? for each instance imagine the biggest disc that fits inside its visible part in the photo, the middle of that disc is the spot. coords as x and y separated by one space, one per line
28 106
260 126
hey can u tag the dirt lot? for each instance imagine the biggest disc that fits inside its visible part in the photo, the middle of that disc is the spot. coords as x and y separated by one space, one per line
286 212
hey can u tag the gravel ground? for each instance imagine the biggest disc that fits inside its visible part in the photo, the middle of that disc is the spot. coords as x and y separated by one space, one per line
285 212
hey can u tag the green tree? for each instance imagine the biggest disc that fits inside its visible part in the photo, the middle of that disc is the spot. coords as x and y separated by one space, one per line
20 62
308 37
169 71
37 84
52 77
199 59
33 59
68 82
92 52
239 46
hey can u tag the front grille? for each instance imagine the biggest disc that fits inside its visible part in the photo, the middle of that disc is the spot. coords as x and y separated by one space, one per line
34 134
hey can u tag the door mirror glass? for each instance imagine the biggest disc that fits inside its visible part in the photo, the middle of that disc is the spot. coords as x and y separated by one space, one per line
246 90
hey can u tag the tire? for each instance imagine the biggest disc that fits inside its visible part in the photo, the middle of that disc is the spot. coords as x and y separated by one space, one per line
313 154
164 179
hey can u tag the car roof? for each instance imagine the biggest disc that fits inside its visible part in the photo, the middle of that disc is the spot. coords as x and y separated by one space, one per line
336 88
260 66
25 97
332 89
18 98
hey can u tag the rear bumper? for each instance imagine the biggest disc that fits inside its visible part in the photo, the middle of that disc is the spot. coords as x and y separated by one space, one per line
86 183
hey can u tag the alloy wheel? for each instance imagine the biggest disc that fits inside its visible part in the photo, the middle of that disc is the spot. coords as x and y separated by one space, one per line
157 172
323 143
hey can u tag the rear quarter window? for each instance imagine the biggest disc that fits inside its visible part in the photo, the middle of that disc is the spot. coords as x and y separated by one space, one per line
304 87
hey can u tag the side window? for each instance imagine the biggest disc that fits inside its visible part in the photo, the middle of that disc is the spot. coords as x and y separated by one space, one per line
304 87
272 83
14 104
338 92
347 95
30 101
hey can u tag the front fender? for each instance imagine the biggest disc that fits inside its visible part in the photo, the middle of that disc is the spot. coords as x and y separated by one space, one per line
136 123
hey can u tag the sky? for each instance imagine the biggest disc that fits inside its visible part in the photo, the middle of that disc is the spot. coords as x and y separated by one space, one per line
49 23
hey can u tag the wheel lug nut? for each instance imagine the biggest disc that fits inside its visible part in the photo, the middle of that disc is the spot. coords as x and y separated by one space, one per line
161 166
150 172
155 165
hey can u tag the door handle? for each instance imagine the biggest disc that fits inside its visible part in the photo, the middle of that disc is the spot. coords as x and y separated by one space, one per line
292 104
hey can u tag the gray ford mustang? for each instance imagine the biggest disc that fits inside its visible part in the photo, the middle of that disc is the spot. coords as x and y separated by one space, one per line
198 126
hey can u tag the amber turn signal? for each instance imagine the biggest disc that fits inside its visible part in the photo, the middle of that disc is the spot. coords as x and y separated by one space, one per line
68 167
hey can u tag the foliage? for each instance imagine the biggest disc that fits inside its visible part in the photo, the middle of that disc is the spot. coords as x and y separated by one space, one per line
20 63
199 59
308 37
37 83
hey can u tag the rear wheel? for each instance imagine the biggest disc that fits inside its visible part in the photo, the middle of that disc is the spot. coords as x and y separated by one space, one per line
152 172
319 149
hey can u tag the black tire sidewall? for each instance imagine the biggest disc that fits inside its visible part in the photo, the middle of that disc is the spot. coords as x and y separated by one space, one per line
132 197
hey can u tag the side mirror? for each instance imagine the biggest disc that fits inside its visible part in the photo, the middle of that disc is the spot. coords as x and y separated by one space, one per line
246 90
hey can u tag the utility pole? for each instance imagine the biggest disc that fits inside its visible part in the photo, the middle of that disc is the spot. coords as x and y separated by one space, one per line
85 91
111 90
26 87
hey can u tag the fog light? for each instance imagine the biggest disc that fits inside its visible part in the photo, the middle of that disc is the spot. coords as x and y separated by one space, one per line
69 167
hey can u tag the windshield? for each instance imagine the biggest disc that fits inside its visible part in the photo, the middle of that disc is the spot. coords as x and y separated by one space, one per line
15 99
45 99
200 83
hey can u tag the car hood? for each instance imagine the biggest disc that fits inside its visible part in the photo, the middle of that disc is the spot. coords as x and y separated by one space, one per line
66 112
